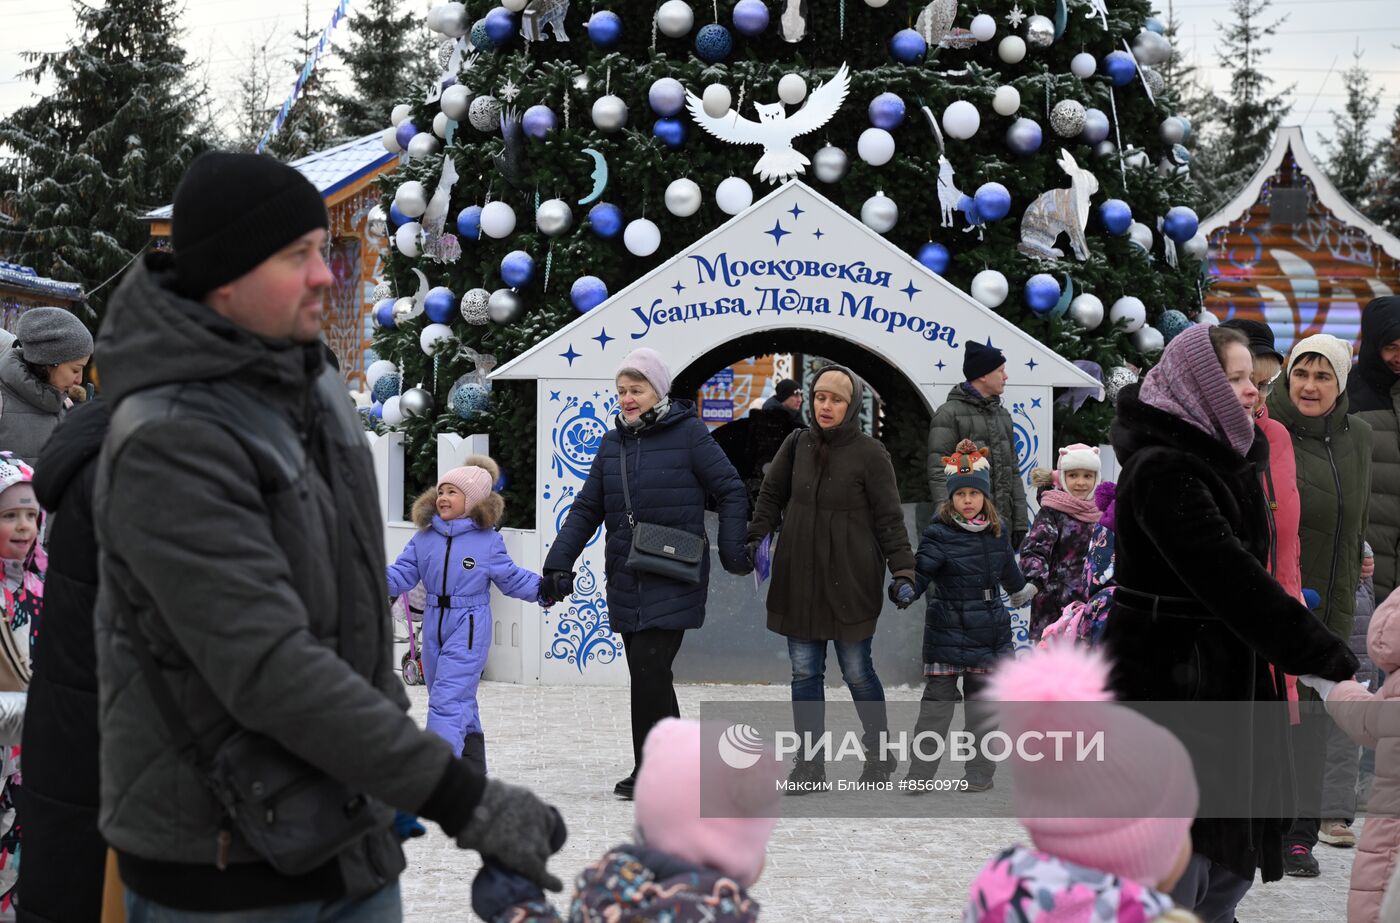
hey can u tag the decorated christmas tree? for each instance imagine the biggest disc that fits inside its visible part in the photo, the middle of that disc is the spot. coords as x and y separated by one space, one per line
1030 156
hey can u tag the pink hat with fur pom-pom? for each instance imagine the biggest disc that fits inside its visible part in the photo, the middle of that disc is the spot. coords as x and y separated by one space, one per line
1138 801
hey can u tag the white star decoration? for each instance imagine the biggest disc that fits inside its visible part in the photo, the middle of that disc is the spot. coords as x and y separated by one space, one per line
509 91
1015 17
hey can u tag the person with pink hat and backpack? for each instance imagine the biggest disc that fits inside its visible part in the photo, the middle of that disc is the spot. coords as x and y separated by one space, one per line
1055 549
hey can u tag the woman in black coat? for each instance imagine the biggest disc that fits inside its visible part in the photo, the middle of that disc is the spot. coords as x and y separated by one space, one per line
1196 615
60 879
672 466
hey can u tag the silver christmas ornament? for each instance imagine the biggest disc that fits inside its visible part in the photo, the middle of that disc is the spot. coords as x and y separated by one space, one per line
1105 149
1023 135
830 164
1148 340
484 113
1086 310
1141 235
1197 247
675 18
1040 31
1096 127
554 217
404 311
935 21
609 113
455 101
1151 48
1067 118
879 213
683 198
474 306
504 306
1173 130
1118 378
381 291
423 145
377 222
1156 83
415 402
1060 211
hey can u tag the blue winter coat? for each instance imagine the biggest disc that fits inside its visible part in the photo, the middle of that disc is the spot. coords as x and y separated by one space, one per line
672 465
966 623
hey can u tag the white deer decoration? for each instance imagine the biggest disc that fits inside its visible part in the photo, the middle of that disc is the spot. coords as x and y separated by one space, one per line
1060 211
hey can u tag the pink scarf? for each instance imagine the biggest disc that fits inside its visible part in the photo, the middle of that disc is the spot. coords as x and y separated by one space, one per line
1067 503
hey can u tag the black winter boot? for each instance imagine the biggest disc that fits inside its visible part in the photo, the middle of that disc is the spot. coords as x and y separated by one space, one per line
878 770
474 752
807 776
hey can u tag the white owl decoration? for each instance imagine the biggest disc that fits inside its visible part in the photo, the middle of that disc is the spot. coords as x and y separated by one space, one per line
775 129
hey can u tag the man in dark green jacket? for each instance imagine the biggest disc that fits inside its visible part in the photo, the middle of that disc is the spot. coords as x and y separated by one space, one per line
973 410
1374 392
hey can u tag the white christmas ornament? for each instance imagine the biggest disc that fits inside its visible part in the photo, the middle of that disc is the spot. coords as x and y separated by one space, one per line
1173 130
497 219
1141 235
423 145
1012 49
875 146
792 89
434 19
1006 101
455 101
984 27
641 237
879 213
1083 65
675 18
432 335
452 21
876 4
961 120
406 238
554 217
377 370
990 287
440 123
1086 310
683 198
391 140
1131 311
609 113
411 198
1208 318
401 112
390 412
717 99
734 194
1197 247
515 6
830 164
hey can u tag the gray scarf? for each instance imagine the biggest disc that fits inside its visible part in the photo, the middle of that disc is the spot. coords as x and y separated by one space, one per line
657 413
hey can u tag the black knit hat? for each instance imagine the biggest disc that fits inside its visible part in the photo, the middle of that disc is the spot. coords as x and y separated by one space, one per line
981 360
786 389
1260 334
232 211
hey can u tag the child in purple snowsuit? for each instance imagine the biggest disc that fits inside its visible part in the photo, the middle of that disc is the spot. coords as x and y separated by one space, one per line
1054 550
457 555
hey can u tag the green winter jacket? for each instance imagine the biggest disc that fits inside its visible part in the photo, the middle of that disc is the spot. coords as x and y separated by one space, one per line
1334 483
1383 529
985 421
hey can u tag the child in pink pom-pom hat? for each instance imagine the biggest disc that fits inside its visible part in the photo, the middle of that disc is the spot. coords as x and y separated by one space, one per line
1132 840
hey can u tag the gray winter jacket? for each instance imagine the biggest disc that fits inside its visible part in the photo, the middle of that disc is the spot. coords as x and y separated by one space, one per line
29 408
258 585
985 421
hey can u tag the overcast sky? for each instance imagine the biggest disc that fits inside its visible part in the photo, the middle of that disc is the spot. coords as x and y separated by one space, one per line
1310 51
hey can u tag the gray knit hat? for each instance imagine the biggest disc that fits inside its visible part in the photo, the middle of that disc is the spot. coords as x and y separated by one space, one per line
49 336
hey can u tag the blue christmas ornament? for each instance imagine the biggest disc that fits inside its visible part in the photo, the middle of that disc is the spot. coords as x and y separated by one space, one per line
713 43
405 132
1042 293
385 388
517 268
666 97
908 46
480 38
1153 24
539 121
1024 136
377 411
1171 323
469 399
934 257
606 220
384 314
1120 67
670 131
886 111
1116 216
1180 224
397 217
469 222
750 17
440 304
993 201
587 293
968 206
604 28
500 25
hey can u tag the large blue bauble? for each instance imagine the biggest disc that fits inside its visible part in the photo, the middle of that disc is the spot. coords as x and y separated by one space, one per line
750 16
469 222
604 28
968 206
1042 293
1153 24
517 268
1171 323
377 411
538 121
1024 136
713 43
587 293
469 399
384 314
440 304
670 131
666 97
887 111
1120 67
397 217
993 201
934 257
606 220
405 132
1117 216
385 388
480 38
500 25
908 46
1180 224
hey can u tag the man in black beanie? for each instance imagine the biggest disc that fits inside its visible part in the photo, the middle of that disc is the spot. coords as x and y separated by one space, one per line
973 410
242 549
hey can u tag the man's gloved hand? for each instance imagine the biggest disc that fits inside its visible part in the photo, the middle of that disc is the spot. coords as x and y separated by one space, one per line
518 830
556 585
1024 595
901 592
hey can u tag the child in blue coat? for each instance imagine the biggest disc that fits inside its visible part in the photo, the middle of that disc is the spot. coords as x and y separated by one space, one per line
457 555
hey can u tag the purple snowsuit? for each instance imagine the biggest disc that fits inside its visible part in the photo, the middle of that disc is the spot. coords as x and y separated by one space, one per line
457 562
1053 556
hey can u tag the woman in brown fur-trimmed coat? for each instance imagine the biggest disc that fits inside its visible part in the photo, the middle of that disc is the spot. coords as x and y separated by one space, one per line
458 554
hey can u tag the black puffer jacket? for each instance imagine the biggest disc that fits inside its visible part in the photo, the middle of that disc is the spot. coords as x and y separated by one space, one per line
61 876
1373 391
966 624
672 465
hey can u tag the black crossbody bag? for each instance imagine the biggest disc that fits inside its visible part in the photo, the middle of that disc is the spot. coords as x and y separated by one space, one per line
663 550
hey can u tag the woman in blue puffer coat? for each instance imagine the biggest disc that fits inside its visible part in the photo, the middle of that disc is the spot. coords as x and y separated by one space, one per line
672 465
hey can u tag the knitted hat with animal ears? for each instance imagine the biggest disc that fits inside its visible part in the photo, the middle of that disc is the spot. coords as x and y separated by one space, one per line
968 467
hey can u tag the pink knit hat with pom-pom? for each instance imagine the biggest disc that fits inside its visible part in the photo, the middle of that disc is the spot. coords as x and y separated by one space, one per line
474 479
1138 800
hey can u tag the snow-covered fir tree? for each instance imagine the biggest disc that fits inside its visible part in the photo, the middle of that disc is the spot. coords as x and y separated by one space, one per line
1350 150
311 122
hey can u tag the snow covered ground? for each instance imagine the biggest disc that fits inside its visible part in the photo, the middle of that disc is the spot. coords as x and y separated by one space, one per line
571 744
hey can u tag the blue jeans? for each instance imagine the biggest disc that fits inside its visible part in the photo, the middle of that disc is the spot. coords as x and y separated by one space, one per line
383 906
809 689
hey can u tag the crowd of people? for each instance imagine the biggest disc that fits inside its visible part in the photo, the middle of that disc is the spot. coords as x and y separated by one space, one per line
199 671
